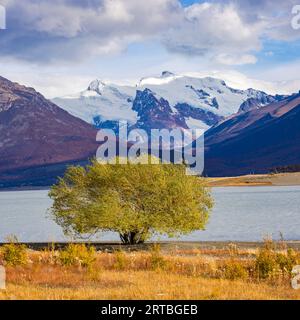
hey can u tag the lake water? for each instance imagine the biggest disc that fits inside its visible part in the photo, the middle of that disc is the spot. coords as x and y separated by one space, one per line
240 213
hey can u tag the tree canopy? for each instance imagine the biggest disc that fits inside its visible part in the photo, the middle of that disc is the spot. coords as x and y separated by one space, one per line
135 200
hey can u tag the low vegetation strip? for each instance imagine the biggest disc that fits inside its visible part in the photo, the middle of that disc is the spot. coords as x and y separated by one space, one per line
79 271
166 246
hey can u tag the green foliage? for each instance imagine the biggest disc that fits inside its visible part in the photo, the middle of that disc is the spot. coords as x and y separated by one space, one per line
135 200
265 263
78 255
270 263
235 270
14 254
287 261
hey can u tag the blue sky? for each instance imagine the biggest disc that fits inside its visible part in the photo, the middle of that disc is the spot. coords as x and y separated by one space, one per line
60 46
186 3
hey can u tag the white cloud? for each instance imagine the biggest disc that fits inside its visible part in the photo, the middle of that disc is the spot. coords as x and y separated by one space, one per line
71 18
73 33
54 82
241 81
234 59
274 16
229 32
214 27
70 28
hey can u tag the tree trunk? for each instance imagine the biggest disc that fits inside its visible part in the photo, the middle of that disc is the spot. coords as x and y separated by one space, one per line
132 238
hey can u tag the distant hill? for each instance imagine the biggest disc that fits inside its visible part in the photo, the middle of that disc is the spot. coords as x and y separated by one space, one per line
38 139
256 141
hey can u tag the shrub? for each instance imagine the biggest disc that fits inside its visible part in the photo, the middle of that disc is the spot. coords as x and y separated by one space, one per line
266 263
234 270
287 261
78 255
270 263
120 260
157 260
14 254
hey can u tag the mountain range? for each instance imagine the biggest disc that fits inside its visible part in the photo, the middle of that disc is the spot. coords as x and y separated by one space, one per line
178 101
247 131
256 141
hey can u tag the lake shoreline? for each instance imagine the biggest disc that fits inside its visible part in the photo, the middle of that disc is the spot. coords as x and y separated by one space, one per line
19 189
166 246
255 180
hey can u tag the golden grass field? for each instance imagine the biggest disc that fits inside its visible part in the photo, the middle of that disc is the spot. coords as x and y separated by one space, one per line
159 275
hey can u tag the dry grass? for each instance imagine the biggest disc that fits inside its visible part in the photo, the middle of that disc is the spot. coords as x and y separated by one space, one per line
191 274
280 179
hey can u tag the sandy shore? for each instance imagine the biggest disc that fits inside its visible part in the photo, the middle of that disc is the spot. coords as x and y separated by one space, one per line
280 179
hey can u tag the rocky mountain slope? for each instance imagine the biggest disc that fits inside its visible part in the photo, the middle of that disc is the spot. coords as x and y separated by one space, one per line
38 139
256 141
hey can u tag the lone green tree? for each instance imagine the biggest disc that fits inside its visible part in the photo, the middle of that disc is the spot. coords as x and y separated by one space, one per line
135 200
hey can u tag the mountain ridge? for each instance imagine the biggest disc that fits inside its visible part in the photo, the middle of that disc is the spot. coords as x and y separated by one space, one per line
203 102
257 141
39 139
36 133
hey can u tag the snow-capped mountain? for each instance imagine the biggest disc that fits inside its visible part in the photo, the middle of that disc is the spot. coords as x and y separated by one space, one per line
155 112
260 101
193 102
109 102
